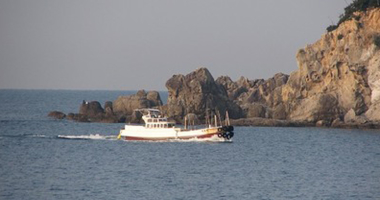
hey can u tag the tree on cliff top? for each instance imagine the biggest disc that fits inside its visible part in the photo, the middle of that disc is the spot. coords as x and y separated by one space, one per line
356 5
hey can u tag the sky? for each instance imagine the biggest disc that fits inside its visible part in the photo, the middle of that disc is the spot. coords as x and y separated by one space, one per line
140 44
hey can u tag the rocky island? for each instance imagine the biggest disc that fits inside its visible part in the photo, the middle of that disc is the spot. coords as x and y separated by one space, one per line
337 84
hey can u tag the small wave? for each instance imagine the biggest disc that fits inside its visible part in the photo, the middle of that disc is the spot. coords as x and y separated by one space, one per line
27 136
88 137
40 136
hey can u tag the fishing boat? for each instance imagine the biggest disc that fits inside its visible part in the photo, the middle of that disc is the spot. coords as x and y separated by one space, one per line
158 127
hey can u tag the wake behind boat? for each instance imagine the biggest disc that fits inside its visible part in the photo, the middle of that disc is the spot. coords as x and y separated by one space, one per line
158 127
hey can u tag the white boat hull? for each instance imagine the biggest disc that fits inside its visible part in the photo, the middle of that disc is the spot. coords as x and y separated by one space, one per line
132 132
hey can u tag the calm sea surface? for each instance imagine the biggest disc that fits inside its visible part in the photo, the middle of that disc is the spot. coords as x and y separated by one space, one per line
42 158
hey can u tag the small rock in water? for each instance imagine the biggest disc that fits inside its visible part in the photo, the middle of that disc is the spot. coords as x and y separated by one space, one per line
57 115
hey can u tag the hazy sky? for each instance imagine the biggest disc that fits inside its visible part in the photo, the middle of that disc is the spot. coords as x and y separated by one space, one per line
139 44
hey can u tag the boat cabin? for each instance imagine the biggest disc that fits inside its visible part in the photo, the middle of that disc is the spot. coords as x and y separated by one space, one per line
154 119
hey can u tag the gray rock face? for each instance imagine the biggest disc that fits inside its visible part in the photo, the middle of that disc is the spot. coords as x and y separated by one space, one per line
258 98
197 92
121 110
317 107
255 110
77 117
125 105
91 109
350 116
93 112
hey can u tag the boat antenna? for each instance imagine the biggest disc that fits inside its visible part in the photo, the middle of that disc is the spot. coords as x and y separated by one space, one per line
185 122
216 121
227 120
220 118
206 117
211 122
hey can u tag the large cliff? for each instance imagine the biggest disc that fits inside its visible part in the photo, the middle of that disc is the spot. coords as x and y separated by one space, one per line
338 73
338 79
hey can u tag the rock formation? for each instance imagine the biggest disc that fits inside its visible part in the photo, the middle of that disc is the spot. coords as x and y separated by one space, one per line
121 110
257 98
124 106
198 93
337 84
337 74
57 115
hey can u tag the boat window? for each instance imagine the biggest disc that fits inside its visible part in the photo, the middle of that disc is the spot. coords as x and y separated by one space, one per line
149 120
155 120
170 125
165 125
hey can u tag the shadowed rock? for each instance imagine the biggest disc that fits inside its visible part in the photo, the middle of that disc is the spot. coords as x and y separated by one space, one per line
57 115
125 105
195 93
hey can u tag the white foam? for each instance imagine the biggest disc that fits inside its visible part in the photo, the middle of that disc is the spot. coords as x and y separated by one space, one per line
40 136
88 137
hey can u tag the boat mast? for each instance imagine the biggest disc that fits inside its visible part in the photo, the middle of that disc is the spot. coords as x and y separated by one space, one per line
206 118
227 119
185 123
220 118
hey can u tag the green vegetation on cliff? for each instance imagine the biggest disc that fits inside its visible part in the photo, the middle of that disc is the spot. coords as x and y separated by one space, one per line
356 5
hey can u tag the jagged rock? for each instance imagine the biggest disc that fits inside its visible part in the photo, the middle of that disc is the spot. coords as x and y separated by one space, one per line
125 105
269 122
322 123
350 116
136 117
77 117
317 107
279 112
154 98
195 93
93 112
91 109
108 108
336 123
245 92
233 89
57 115
255 110
346 69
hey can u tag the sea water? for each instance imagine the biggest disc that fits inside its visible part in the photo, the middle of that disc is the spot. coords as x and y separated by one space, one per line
43 158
